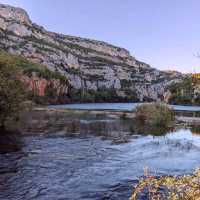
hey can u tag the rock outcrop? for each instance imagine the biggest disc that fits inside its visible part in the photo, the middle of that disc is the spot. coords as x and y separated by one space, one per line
53 91
89 65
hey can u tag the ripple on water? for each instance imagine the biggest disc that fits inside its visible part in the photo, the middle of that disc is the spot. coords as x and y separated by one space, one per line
88 167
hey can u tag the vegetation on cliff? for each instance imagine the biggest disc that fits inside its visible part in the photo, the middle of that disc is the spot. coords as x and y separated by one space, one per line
101 95
89 65
52 94
29 67
37 76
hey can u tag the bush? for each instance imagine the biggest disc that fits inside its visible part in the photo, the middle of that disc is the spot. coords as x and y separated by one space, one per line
183 92
12 91
169 187
154 114
101 95
29 67
50 91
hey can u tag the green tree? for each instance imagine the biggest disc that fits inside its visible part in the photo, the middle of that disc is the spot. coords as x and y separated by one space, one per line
186 92
12 90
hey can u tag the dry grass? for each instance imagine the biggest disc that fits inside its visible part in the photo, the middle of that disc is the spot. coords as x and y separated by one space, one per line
185 187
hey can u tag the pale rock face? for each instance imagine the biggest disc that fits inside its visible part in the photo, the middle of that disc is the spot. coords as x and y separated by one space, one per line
3 24
148 77
72 61
75 81
19 29
87 64
12 13
167 95
121 73
109 73
117 84
44 36
121 93
91 85
131 62
105 49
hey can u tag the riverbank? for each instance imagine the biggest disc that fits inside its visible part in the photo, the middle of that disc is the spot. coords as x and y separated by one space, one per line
182 116
111 113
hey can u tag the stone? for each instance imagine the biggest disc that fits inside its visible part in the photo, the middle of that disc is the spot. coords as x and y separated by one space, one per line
13 13
18 29
87 64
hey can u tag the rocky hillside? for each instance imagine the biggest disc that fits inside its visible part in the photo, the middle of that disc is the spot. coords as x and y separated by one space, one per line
95 70
42 85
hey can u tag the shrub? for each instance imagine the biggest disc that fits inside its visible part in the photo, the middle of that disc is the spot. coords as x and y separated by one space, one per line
12 91
169 187
183 92
101 95
126 83
50 91
154 114
29 67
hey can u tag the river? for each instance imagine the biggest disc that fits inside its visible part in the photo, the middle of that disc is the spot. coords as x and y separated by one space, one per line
93 158
118 106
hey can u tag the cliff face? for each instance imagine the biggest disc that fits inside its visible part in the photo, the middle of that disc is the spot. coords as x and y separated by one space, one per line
46 91
88 65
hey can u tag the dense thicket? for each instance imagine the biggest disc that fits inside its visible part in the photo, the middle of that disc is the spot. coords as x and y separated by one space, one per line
12 90
186 92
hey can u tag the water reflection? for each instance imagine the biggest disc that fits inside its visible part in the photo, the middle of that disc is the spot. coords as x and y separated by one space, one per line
93 158
151 130
195 130
10 142
71 125
117 130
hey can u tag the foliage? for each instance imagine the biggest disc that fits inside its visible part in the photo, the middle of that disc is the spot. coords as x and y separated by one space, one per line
131 96
50 91
169 187
26 67
182 92
29 67
106 94
101 95
154 114
126 83
73 71
12 90
145 129
186 92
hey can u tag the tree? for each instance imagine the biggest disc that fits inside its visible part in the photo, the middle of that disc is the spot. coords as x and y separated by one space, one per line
12 90
183 92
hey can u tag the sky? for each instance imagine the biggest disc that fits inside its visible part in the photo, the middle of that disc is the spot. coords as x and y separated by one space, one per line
162 33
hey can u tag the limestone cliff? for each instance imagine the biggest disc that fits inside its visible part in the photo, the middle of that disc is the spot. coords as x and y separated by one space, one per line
46 91
89 65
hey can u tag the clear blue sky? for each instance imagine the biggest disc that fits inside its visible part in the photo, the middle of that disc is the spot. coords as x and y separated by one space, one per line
163 33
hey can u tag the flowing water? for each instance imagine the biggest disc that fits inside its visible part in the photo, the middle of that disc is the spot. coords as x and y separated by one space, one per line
119 106
93 158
